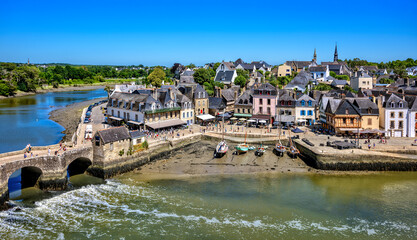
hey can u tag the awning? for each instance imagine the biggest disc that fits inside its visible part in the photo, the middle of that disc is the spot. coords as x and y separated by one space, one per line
301 120
251 120
242 115
262 121
205 117
233 118
242 119
165 124
134 122
116 118
265 117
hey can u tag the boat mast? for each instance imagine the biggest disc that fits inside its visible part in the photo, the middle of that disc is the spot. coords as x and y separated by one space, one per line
223 127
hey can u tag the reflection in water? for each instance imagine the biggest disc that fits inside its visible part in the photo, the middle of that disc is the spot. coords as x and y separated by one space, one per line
25 120
224 207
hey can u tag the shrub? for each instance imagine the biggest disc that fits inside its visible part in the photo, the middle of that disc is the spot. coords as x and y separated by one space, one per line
121 152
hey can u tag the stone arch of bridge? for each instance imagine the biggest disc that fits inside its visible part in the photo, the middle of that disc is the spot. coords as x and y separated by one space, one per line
78 166
24 177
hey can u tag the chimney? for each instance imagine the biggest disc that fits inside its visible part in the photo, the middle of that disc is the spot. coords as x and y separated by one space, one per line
235 95
171 93
155 93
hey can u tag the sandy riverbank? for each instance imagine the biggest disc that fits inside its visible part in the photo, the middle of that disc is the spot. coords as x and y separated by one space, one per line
69 116
60 89
197 159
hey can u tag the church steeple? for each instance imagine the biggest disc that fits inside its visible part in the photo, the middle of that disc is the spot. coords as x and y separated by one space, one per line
315 56
336 57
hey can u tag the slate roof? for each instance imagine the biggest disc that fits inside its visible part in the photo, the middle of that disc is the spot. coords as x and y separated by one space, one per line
301 79
366 106
346 105
306 98
260 64
258 74
200 89
228 95
229 65
338 82
332 105
224 76
245 99
413 105
396 100
216 103
318 68
187 73
298 64
247 66
114 134
136 134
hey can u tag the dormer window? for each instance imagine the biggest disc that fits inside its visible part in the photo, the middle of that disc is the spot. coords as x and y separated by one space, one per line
282 103
303 103
289 103
310 103
347 111
392 105
199 94
400 104
369 110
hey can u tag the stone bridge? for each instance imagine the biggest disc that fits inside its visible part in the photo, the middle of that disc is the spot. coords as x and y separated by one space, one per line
45 172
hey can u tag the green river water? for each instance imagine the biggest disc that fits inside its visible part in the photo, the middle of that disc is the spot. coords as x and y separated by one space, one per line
280 206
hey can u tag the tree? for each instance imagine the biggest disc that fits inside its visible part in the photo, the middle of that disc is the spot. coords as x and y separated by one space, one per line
157 76
244 73
322 87
190 66
108 90
201 76
216 65
241 81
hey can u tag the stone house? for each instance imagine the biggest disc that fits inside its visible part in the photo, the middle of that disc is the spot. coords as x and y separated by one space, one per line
361 80
264 102
285 113
369 113
187 108
305 110
217 105
110 143
343 119
283 70
244 105
393 115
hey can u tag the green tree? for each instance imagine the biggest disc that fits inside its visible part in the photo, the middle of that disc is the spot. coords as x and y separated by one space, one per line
244 73
216 65
156 77
190 66
201 76
241 81
322 87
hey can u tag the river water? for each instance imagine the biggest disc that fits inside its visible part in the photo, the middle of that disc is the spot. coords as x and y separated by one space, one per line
25 120
279 206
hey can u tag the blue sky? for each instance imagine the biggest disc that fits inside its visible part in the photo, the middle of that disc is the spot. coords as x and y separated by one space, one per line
164 32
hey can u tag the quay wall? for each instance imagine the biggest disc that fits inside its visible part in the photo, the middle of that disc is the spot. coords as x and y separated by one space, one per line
356 160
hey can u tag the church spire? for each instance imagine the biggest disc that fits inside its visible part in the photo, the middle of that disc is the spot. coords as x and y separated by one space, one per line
336 57
315 56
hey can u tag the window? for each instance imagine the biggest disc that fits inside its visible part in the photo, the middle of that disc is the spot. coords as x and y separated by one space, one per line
268 109
347 111
392 124
392 115
238 110
289 103
191 113
400 104
188 114
260 110
400 114
260 101
400 124
118 113
166 115
282 103
303 113
303 103
170 114
310 103
351 121
112 112
344 120
392 105
310 113
183 115
136 117
369 121
269 101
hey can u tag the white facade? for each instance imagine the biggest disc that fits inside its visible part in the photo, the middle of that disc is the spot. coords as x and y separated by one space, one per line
126 114
187 113
396 122
363 82
411 126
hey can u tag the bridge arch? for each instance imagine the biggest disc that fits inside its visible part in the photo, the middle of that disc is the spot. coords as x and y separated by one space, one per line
24 177
78 166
